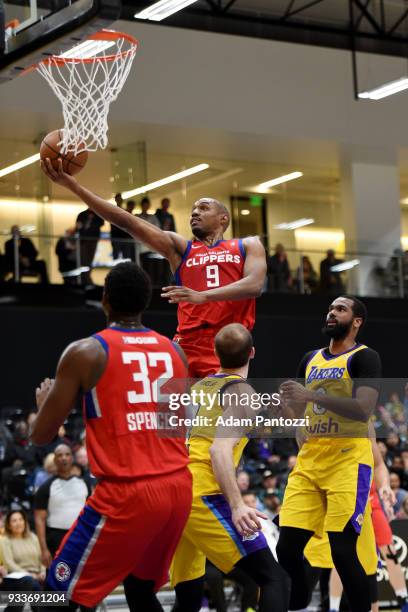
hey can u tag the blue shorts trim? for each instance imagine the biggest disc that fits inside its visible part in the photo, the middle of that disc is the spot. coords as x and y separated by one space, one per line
66 568
220 508
363 491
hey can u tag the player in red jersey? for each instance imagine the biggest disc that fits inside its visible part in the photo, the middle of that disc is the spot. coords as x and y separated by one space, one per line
384 539
217 280
131 524
381 514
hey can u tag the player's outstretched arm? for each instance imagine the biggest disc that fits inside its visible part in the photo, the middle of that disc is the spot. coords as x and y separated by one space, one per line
245 519
169 244
358 408
249 286
79 368
382 478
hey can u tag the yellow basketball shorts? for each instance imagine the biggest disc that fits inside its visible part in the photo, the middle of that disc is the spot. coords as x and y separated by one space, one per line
210 533
329 485
318 552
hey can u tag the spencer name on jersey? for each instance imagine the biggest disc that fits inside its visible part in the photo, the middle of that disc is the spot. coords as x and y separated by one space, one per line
204 268
122 411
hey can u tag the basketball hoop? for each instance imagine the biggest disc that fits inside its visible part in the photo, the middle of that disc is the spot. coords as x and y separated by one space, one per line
86 79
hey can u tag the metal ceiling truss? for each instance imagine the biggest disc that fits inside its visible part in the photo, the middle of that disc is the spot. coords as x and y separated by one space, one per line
369 25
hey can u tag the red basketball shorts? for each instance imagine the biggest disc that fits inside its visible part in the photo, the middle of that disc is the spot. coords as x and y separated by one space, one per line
382 529
199 350
126 527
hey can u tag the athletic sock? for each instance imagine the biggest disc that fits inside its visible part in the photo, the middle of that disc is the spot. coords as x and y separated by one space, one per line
402 593
334 604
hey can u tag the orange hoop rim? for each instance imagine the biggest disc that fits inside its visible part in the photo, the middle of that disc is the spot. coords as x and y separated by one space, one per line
101 35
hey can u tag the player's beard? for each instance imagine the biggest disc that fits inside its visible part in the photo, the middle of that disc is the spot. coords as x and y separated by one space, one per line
198 232
338 331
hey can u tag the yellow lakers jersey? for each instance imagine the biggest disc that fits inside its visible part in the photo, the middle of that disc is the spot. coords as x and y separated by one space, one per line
209 390
330 375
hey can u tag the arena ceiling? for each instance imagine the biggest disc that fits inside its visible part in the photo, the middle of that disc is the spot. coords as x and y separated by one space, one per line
374 26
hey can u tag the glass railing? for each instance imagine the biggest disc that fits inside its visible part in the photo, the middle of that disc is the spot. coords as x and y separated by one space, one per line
78 260
73 259
319 272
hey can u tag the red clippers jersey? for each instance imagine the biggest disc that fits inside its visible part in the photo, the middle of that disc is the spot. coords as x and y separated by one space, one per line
121 411
205 267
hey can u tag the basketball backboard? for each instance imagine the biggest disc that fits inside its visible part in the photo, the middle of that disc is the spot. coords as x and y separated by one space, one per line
31 30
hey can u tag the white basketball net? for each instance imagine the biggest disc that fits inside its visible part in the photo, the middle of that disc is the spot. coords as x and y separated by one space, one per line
87 88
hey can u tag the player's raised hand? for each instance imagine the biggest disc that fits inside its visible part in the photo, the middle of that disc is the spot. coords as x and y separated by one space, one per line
43 390
57 176
293 391
175 294
246 519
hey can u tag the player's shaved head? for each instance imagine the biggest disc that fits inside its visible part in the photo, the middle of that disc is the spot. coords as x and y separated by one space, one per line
233 345
219 207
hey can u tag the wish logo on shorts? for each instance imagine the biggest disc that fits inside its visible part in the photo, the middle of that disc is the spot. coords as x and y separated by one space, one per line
251 537
62 572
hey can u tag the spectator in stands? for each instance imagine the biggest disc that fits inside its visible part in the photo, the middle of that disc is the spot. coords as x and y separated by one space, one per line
269 482
66 251
331 283
310 280
243 481
25 454
394 273
27 255
81 459
45 472
6 446
89 229
286 470
117 234
393 444
272 503
167 223
3 268
166 219
60 438
57 504
13 584
130 244
403 512
278 271
400 494
148 259
123 245
21 549
395 409
404 457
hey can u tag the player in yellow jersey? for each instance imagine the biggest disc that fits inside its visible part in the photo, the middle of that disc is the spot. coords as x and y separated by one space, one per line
317 551
221 527
329 486
369 549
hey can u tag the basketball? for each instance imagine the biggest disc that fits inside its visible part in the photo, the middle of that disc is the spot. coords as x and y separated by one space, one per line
50 147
